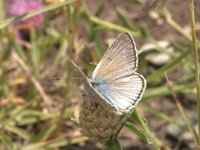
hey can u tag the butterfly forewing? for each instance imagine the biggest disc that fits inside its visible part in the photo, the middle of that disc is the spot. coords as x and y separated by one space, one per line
119 59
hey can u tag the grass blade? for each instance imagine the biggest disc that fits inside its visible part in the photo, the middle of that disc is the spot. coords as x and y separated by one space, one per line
33 13
113 144
163 91
151 137
168 67
138 132
20 132
112 26
184 115
196 59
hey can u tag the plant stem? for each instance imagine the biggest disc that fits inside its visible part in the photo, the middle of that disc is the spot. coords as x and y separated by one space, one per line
148 132
39 88
1 10
187 120
71 27
175 25
113 144
195 51
112 26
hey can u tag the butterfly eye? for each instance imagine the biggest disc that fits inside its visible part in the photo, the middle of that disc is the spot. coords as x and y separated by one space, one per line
94 84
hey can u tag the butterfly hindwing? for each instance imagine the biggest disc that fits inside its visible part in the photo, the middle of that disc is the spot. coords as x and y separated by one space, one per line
123 93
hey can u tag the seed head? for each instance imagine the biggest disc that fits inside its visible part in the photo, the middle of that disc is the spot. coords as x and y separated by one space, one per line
98 122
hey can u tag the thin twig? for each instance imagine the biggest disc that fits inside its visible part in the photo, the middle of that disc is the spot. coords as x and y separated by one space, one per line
183 113
34 80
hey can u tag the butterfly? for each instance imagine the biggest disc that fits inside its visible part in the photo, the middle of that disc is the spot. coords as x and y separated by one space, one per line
114 83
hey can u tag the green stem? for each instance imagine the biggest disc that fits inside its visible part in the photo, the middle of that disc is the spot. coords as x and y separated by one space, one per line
72 17
195 51
176 26
113 144
151 137
1 10
112 26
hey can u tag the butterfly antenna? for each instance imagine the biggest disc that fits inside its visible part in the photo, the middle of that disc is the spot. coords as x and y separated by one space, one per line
56 79
77 78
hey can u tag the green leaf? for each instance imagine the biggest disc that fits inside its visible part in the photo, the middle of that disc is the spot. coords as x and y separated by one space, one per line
151 138
54 143
6 140
64 142
137 131
20 132
45 133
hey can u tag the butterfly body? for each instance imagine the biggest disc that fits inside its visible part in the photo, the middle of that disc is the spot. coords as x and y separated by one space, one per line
115 84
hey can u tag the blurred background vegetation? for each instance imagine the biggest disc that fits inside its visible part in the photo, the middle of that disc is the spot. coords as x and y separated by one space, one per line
40 97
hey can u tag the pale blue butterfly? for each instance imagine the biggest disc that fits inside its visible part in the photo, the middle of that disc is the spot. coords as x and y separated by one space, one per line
114 83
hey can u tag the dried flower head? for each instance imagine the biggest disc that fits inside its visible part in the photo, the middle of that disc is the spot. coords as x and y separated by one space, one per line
98 122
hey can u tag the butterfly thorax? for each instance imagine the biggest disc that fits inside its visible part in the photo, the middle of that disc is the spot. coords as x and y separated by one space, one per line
102 89
100 86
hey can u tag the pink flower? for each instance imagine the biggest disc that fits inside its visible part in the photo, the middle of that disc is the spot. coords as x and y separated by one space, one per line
15 8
